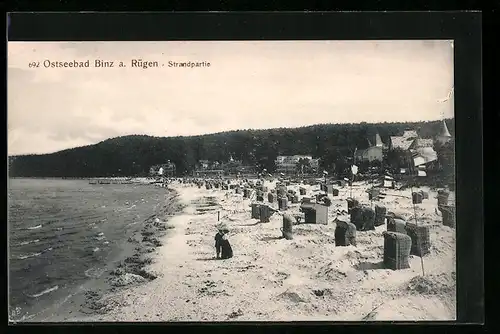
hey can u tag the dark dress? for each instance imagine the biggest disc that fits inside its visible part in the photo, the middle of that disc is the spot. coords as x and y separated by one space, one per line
218 246
223 247
227 251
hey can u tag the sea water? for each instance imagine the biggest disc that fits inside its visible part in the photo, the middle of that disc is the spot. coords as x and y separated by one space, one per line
62 233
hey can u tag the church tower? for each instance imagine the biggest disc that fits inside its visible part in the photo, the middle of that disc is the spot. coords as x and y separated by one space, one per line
444 136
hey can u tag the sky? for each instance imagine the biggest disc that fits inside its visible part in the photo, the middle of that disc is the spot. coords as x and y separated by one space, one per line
249 85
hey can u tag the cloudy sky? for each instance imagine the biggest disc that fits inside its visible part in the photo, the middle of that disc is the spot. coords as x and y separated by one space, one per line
248 85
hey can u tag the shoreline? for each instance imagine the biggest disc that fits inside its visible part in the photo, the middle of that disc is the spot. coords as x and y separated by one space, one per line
127 268
273 279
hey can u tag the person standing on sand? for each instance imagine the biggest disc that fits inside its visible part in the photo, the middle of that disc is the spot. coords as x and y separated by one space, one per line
222 246
227 251
218 242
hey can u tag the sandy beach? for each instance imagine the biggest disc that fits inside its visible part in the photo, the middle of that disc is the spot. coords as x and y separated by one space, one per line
274 279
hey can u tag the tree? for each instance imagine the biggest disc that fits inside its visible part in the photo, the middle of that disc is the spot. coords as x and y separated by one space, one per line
134 155
397 159
304 166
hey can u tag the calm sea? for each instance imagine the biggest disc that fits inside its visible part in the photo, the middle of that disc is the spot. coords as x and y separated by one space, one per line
63 233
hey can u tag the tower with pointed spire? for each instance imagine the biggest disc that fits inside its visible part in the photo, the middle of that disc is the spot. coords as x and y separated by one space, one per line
378 141
444 135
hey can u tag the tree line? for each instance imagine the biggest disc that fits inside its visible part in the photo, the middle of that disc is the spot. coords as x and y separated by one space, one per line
133 155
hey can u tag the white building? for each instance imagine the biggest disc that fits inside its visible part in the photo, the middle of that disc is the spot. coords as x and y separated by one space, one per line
288 164
166 169
373 152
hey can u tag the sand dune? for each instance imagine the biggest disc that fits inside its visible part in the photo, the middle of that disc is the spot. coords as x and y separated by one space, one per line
274 279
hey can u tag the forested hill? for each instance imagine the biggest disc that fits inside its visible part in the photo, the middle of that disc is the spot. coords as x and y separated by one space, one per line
133 155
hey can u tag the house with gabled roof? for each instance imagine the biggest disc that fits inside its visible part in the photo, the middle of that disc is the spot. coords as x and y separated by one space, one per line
403 142
373 152
421 143
422 149
423 156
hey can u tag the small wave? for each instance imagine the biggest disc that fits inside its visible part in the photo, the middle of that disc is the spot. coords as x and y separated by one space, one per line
54 288
94 272
100 238
34 227
27 256
100 234
106 242
28 242
69 233
96 249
